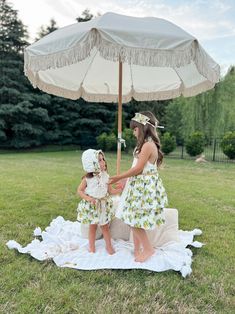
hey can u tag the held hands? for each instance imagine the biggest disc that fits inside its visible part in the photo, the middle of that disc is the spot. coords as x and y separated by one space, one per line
121 184
114 179
117 188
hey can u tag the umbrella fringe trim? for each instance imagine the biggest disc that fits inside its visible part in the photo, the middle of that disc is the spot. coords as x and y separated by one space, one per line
198 89
163 95
59 59
138 56
142 56
162 58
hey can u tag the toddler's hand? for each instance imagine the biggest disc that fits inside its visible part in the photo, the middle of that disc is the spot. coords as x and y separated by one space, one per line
92 200
119 186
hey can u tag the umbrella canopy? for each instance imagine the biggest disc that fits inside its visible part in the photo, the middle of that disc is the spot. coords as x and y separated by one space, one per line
157 60
160 60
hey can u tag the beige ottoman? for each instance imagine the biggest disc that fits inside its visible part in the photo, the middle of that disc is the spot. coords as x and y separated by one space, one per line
84 231
168 232
119 230
158 237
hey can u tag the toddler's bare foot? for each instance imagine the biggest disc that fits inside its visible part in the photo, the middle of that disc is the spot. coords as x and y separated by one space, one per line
143 256
92 249
110 250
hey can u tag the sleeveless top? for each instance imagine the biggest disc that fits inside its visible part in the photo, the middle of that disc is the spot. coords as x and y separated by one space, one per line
97 186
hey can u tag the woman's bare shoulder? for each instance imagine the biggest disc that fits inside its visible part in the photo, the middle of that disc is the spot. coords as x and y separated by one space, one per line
149 145
151 150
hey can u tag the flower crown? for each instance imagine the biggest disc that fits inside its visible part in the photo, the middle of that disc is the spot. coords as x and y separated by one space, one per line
142 119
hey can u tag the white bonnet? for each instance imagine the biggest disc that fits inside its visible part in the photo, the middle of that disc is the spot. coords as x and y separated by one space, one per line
90 160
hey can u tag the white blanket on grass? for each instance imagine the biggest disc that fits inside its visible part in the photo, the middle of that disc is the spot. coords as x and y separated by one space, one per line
61 241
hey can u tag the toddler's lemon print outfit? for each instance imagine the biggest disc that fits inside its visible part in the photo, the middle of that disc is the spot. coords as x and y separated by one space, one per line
143 199
97 187
102 212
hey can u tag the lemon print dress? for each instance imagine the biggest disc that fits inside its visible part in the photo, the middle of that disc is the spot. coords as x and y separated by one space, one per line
143 199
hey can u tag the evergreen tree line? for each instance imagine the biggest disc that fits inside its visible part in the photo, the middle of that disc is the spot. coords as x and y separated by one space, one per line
29 117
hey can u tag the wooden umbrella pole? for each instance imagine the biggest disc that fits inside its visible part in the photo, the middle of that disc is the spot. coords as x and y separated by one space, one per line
119 145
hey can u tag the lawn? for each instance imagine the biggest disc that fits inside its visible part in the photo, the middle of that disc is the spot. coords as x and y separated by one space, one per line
37 187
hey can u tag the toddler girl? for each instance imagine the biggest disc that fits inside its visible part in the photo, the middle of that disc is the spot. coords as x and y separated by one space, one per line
96 206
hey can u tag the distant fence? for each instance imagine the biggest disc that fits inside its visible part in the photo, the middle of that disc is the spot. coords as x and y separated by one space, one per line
212 152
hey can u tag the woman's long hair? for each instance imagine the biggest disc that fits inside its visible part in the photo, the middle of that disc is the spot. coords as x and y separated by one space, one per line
146 131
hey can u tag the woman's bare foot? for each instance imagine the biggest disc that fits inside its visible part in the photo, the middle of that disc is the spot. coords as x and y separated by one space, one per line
143 256
137 252
110 250
92 249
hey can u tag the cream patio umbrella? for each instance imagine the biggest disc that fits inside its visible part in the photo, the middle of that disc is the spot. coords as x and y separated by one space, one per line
114 58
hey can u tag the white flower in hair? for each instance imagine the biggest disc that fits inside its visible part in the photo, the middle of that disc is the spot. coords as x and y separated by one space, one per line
140 118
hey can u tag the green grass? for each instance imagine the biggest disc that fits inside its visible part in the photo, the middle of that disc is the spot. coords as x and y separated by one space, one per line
37 187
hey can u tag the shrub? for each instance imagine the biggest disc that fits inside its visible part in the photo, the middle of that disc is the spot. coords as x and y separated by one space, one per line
168 142
111 142
130 140
107 142
101 141
195 144
228 144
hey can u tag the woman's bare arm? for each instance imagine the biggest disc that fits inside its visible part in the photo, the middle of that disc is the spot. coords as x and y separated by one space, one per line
114 191
143 157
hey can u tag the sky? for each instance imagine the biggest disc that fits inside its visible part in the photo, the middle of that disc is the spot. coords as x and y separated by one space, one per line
212 22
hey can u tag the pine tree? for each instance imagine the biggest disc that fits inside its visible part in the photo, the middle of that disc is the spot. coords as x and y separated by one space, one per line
85 16
21 121
13 34
44 30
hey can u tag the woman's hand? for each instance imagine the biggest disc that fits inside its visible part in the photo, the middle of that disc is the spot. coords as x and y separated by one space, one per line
121 184
114 179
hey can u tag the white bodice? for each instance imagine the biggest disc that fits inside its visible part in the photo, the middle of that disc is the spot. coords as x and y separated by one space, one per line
148 166
97 186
